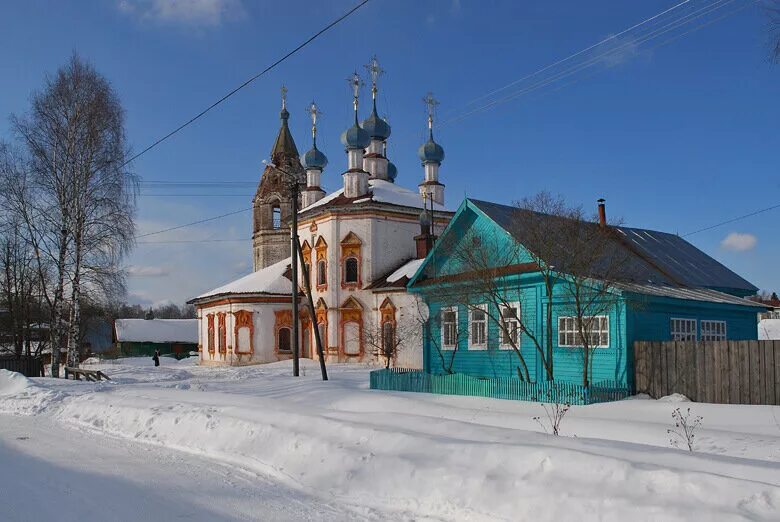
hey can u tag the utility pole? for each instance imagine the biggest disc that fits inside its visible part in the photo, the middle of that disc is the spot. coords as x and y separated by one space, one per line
294 189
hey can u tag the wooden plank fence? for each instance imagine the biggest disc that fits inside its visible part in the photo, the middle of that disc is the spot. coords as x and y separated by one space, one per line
725 372
402 379
27 365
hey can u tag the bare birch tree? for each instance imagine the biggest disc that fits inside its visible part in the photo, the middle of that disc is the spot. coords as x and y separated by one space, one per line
74 194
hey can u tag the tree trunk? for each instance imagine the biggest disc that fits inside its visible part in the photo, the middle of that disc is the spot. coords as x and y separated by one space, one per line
57 310
74 336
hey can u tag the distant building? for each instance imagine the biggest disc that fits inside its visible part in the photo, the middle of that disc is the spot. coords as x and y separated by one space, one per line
141 337
669 290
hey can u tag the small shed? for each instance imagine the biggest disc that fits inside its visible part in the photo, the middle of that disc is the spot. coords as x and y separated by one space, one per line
141 337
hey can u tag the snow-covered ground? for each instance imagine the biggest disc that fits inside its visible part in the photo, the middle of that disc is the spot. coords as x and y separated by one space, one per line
338 450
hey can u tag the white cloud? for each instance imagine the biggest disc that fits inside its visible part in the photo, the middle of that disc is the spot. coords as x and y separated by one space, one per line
209 13
738 242
147 271
617 51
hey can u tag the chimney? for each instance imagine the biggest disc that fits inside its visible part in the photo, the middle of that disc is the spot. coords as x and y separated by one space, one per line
424 241
602 212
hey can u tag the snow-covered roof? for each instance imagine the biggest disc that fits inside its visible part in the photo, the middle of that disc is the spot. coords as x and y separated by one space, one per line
769 329
407 270
157 330
695 294
381 191
269 280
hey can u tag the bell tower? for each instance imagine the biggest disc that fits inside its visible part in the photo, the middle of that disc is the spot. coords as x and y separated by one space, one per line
272 206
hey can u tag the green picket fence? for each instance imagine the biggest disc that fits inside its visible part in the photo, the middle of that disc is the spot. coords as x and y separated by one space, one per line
401 379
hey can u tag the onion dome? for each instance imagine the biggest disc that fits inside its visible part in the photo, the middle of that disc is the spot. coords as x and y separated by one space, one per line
392 172
376 127
355 137
314 158
430 151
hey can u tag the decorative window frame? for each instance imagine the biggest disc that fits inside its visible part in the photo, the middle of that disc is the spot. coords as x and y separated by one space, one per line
351 247
321 254
680 329
351 312
451 346
283 319
210 334
387 317
473 345
243 319
710 330
322 320
517 320
222 333
306 251
570 328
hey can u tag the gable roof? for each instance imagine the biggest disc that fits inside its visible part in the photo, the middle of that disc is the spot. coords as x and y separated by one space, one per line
652 257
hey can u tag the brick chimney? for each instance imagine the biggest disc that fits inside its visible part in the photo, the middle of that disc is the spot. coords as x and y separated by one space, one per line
424 241
602 212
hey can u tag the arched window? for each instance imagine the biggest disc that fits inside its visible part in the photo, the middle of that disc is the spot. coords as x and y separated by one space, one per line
321 273
351 270
388 339
276 216
284 343
307 274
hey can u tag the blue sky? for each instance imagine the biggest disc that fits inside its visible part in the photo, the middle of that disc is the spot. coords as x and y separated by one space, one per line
676 137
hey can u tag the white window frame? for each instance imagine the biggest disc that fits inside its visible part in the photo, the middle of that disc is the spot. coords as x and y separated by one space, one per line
473 345
676 333
445 346
709 330
571 333
516 320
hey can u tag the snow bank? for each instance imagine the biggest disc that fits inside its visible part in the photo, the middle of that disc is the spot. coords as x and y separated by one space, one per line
22 396
441 457
12 383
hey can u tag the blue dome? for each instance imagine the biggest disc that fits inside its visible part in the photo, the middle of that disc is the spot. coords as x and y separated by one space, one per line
430 151
392 172
355 137
375 126
314 159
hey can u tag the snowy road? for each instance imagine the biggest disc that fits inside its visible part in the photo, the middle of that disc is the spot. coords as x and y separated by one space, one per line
100 478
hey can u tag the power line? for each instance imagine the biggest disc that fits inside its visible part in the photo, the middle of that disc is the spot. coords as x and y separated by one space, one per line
177 227
635 26
196 195
180 241
574 68
250 80
732 220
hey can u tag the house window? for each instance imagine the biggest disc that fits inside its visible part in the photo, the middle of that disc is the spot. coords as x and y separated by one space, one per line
449 328
276 217
283 340
683 329
596 327
351 270
713 330
388 339
322 276
478 327
510 322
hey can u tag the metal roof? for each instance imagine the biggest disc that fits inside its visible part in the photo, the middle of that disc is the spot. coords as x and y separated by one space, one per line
656 258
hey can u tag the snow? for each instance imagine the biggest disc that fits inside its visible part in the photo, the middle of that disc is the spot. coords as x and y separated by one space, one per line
407 270
383 191
157 330
269 280
400 456
769 329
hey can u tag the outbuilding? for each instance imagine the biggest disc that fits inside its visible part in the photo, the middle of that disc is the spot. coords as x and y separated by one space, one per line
141 337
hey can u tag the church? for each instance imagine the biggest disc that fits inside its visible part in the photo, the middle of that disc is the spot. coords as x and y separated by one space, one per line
360 245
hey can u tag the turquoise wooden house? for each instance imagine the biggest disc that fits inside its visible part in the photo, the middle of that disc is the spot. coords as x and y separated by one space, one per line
667 289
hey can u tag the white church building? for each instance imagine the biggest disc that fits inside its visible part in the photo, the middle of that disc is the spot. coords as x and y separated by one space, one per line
361 244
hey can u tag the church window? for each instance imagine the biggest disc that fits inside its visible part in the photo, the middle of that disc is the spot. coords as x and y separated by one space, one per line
351 270
321 273
276 216
284 340
388 339
210 332
307 274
